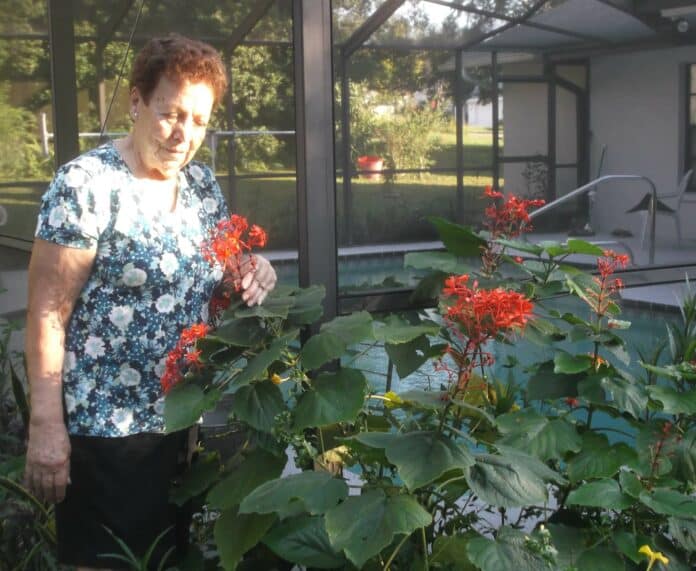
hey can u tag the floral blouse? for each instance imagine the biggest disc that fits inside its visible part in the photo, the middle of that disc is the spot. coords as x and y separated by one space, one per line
149 281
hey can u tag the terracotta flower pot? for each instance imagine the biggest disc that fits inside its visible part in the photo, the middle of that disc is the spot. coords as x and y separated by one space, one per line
370 163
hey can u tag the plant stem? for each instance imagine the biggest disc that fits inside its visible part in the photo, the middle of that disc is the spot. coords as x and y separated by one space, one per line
425 549
394 553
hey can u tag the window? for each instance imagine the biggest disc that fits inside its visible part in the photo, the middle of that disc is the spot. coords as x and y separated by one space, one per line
690 161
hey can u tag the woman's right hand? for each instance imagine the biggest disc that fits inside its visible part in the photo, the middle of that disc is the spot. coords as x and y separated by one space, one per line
47 471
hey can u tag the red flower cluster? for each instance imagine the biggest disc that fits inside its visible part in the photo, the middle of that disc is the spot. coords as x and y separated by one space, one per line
480 315
607 285
509 218
505 219
183 356
230 240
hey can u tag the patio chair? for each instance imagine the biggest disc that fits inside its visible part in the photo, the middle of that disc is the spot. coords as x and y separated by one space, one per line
670 208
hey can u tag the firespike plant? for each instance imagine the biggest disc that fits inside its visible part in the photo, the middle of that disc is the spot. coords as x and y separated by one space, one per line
581 461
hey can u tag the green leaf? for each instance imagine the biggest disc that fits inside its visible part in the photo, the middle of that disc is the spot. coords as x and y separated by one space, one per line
504 555
684 532
334 338
597 459
258 404
450 552
504 483
185 403
256 468
526 420
441 261
240 332
629 543
630 483
303 540
199 477
627 395
600 558
670 502
526 247
530 463
307 306
396 330
550 440
569 541
331 398
363 525
545 383
673 401
568 364
459 240
311 492
603 493
257 365
576 246
685 457
422 457
408 357
235 534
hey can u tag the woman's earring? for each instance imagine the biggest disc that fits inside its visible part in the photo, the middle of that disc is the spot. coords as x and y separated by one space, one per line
134 115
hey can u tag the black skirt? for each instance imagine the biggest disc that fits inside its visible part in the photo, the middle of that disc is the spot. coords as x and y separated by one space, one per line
122 485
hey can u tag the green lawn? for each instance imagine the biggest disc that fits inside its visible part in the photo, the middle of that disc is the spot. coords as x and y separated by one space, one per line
383 211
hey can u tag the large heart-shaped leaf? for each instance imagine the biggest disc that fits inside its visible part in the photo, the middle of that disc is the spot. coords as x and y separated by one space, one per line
597 459
311 492
670 502
363 525
395 330
258 404
235 534
459 240
245 332
506 552
673 401
257 467
334 338
331 398
303 540
504 483
545 383
441 261
603 493
307 305
201 475
409 356
420 457
450 552
568 364
685 457
684 531
185 403
550 440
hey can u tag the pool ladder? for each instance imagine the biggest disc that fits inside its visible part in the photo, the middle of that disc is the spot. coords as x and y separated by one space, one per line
591 186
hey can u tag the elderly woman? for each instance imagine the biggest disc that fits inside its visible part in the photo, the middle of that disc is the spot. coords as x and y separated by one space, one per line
116 273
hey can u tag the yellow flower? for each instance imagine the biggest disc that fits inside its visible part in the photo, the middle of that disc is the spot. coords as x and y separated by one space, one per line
515 407
653 556
276 379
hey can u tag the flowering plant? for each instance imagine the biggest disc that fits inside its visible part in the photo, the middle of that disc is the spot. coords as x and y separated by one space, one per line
571 462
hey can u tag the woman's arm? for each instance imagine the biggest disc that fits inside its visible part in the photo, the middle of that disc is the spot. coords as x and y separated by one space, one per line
56 277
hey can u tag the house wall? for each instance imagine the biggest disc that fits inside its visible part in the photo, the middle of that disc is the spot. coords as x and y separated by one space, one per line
637 109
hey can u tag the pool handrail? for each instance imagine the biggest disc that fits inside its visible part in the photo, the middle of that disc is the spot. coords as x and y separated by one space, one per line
591 186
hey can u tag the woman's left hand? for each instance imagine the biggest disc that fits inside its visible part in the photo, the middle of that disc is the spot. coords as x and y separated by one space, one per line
258 278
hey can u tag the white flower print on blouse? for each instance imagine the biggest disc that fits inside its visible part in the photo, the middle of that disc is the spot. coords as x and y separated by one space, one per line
133 276
94 347
196 173
121 316
149 280
168 264
57 216
128 376
210 205
165 303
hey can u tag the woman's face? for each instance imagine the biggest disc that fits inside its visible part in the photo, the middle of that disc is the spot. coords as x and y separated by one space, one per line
168 130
